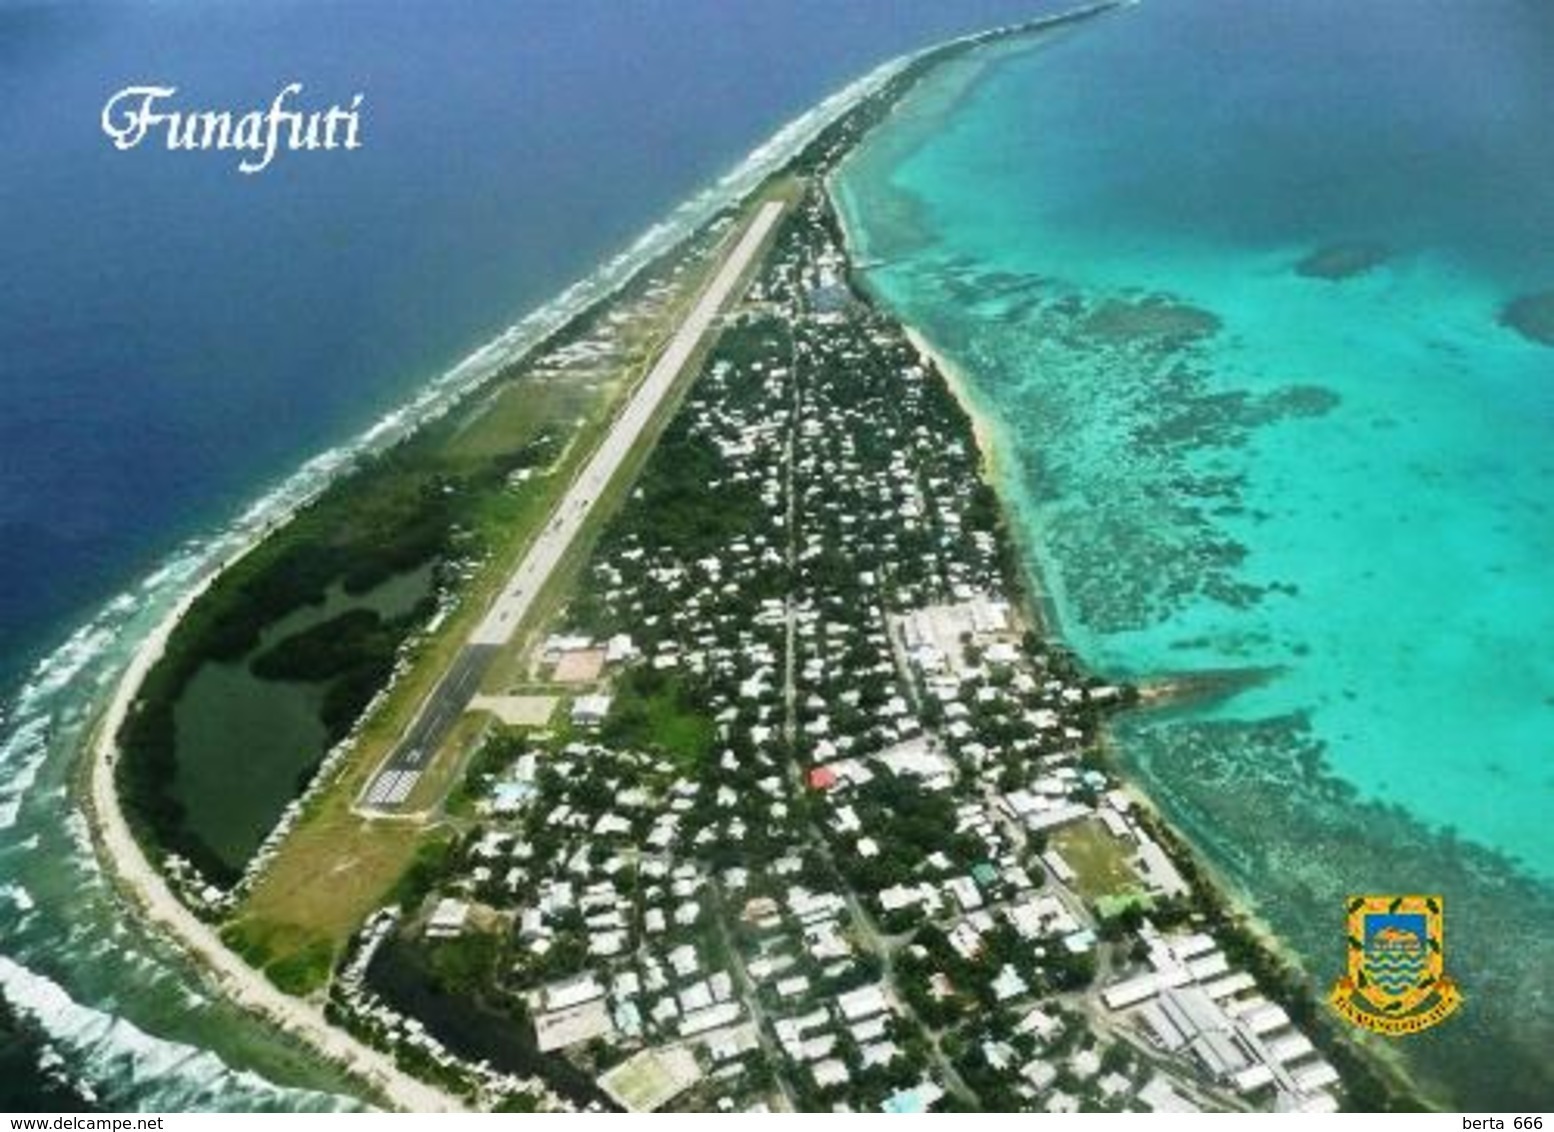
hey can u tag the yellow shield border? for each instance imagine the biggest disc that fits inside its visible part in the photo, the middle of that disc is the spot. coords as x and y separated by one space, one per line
1362 1003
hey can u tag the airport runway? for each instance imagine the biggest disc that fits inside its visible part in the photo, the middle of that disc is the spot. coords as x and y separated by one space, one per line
442 710
448 701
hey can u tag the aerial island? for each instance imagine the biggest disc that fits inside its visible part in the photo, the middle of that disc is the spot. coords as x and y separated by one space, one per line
672 724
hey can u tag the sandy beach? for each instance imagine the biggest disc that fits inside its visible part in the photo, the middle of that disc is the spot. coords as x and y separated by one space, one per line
994 448
987 433
124 860
982 426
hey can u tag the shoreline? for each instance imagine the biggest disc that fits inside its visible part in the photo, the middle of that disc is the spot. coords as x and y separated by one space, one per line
994 447
159 910
1161 694
1219 889
983 426
153 902
141 885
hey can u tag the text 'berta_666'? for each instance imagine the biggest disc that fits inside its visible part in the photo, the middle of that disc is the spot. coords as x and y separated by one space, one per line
1396 983
135 113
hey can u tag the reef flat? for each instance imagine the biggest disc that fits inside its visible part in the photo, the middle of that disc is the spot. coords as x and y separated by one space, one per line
1343 260
1531 316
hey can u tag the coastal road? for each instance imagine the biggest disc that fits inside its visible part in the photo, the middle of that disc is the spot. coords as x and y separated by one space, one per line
400 771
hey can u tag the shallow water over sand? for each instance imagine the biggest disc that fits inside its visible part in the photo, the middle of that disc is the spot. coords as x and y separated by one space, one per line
1230 284
158 381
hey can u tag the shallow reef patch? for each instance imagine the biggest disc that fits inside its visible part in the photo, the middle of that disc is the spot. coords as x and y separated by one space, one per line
1261 799
1343 260
1150 317
1531 316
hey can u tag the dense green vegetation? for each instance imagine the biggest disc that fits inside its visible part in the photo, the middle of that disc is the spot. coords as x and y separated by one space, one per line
450 988
325 650
681 503
911 824
304 971
431 862
440 496
653 711
352 653
684 506
397 513
298 972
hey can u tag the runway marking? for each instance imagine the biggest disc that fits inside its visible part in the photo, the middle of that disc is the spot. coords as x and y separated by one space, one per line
401 770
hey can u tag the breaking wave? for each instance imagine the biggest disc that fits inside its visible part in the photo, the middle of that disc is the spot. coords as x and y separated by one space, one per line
60 913
116 1059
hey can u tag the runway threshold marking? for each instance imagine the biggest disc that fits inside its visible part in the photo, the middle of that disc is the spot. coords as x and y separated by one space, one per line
446 703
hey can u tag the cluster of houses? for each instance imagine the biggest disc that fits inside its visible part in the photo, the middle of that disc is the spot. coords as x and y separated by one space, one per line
1188 1001
856 896
354 1004
625 942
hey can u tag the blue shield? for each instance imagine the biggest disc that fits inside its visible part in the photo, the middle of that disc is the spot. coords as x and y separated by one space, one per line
1396 952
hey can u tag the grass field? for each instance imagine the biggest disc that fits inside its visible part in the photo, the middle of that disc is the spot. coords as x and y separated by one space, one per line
337 866
649 711
651 1079
359 860
1099 860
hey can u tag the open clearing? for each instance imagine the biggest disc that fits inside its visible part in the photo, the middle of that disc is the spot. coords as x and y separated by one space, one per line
652 1078
287 912
1099 860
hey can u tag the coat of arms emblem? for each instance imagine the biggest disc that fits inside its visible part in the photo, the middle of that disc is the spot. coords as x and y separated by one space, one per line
1397 982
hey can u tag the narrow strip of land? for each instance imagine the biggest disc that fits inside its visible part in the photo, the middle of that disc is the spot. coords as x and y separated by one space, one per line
238 982
449 699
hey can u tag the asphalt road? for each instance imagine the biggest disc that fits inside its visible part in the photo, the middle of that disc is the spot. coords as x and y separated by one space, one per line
399 774
509 609
448 701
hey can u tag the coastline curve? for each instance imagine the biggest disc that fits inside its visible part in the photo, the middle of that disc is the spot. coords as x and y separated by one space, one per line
200 562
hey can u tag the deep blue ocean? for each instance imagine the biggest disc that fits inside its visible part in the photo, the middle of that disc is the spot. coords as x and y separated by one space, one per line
173 334
176 339
1329 490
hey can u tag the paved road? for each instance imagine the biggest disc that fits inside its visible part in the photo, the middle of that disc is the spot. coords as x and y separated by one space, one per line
764 1031
399 773
509 609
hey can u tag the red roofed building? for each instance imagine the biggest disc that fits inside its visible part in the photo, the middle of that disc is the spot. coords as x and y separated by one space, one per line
822 778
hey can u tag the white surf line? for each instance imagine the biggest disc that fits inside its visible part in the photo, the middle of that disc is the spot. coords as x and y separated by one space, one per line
211 555
240 983
115 845
391 782
110 1055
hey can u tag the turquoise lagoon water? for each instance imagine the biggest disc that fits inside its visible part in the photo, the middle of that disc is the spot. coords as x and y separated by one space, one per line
1335 491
